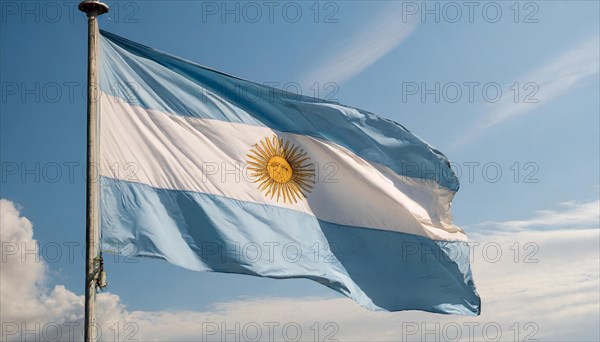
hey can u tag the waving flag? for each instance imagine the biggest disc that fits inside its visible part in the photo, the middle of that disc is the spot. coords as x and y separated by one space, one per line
215 173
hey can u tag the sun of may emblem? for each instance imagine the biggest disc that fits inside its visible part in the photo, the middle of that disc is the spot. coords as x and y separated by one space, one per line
282 170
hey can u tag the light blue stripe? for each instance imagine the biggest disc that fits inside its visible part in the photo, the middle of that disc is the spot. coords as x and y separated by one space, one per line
378 269
166 83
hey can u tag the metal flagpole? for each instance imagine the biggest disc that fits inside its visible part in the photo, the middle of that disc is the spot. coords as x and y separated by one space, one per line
93 265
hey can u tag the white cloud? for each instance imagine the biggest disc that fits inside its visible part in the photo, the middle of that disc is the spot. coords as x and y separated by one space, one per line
572 214
547 286
549 82
364 49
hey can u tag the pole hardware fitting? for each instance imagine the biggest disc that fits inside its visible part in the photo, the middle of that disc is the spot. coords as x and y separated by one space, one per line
99 275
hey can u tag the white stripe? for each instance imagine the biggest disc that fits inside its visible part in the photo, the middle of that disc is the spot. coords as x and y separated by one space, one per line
203 155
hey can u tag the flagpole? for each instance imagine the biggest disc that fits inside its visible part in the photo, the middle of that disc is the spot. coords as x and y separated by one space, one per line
93 9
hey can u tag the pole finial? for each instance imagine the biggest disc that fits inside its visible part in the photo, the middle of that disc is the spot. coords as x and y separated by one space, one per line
93 8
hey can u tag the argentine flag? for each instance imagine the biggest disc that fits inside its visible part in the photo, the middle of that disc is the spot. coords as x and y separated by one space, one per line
215 173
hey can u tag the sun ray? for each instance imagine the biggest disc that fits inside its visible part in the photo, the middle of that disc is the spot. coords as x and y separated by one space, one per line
272 150
266 148
261 151
257 160
284 194
292 152
298 190
259 154
297 157
266 184
261 177
285 149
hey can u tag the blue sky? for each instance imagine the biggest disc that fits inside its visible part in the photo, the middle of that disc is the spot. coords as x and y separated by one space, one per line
372 55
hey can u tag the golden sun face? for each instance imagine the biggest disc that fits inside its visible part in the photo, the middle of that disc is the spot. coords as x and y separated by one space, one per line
281 170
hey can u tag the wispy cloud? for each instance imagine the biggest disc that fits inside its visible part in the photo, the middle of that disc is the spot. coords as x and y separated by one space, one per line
551 81
570 215
361 51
